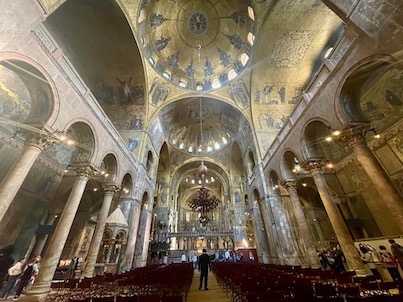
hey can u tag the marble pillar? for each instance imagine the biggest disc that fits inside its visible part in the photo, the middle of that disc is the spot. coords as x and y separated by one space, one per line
351 254
34 145
306 236
271 233
41 240
142 245
354 137
109 190
127 263
260 234
40 289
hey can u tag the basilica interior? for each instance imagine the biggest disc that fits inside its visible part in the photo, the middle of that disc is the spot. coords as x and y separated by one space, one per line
132 131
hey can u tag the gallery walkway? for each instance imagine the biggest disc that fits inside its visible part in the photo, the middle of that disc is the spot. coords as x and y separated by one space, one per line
215 293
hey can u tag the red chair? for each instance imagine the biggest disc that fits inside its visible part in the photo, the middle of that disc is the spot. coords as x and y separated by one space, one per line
126 299
172 298
148 298
103 299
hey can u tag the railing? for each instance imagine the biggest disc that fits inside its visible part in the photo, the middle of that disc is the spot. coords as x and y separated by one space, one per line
201 233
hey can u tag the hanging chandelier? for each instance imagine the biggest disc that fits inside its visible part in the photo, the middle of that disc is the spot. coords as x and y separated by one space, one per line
204 204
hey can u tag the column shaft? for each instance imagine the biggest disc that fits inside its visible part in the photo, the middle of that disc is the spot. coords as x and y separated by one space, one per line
351 254
390 196
40 289
99 231
131 242
141 259
303 227
41 240
16 176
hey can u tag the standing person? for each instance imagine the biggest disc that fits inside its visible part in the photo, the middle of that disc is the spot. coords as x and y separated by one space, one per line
194 260
28 276
227 255
14 273
165 259
204 266
251 257
389 262
184 259
397 251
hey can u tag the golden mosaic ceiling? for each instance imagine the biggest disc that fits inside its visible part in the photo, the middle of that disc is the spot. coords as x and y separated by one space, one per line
197 45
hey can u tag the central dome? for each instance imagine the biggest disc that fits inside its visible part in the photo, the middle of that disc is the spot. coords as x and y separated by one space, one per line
197 44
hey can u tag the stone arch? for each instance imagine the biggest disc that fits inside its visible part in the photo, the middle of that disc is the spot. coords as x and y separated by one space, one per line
145 201
83 140
149 160
126 186
290 165
251 162
315 134
348 93
42 90
109 168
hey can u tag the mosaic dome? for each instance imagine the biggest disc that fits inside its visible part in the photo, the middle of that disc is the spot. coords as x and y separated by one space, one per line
197 44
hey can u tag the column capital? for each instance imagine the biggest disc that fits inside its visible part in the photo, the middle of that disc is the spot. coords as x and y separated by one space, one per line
313 166
355 133
290 185
84 170
38 140
110 188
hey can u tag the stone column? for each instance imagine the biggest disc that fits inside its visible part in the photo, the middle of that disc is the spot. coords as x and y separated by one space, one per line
109 190
40 290
351 254
142 245
260 234
269 225
355 138
41 240
303 228
127 263
34 145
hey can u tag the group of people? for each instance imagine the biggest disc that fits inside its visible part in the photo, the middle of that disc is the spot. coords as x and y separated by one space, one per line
382 263
20 276
332 259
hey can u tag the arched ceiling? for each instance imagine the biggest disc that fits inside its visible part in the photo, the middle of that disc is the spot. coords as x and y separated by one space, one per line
139 86
181 121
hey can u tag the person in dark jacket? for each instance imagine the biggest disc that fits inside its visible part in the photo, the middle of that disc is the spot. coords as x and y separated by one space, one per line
204 266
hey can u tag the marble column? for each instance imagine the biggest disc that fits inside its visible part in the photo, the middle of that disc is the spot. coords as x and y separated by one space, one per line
41 240
142 246
354 137
40 289
269 226
109 190
351 254
303 228
34 145
260 234
127 263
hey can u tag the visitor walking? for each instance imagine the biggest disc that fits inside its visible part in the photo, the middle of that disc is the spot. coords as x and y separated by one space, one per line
14 273
204 266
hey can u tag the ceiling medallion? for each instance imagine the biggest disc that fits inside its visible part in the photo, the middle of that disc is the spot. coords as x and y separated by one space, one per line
198 45
198 23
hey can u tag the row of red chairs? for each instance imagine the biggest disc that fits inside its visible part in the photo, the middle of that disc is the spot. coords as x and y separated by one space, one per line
246 282
152 283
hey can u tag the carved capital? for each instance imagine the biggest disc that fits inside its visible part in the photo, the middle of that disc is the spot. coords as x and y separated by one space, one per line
313 166
110 189
38 140
85 171
355 134
290 185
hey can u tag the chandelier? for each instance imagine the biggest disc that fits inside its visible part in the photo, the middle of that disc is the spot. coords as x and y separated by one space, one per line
204 204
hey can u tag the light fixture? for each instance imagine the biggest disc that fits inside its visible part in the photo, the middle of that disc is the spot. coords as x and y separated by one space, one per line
204 204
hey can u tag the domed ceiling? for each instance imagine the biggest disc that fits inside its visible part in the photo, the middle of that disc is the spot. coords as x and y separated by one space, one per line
197 134
197 45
